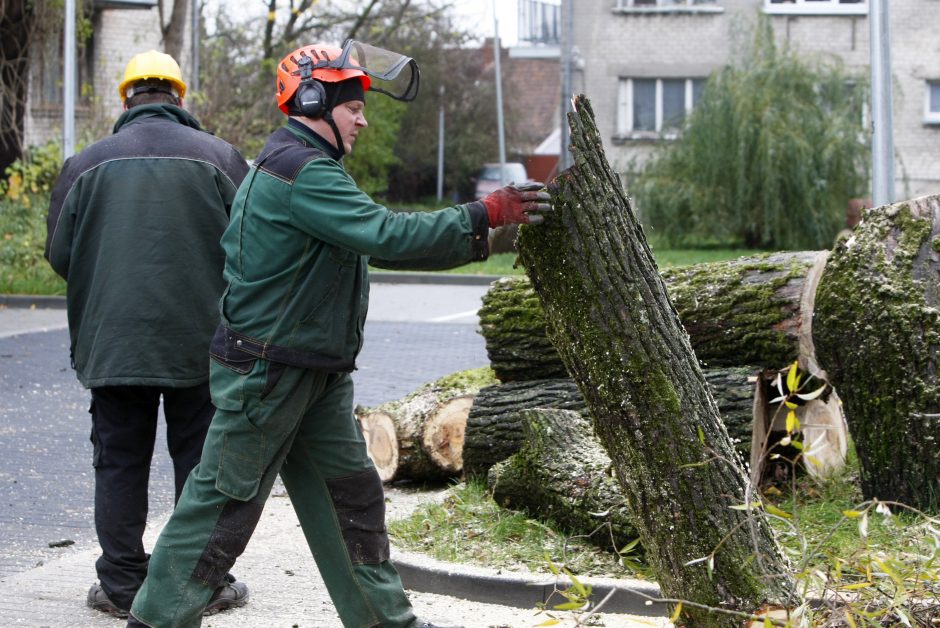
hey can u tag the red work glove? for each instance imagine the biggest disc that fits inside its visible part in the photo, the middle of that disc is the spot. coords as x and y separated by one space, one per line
517 204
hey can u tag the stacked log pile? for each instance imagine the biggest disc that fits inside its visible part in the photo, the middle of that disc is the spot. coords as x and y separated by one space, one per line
746 319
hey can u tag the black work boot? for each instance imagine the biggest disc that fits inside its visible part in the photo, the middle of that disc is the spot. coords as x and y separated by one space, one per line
232 594
98 600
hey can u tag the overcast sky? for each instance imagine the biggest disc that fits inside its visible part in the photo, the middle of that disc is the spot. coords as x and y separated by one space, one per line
477 16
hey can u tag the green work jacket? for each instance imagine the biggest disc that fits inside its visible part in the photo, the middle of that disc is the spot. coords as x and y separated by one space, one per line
134 226
297 249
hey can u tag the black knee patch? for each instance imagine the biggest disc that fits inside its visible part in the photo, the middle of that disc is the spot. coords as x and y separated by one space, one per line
227 542
360 506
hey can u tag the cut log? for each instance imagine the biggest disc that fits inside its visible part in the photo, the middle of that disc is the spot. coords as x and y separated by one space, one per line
562 474
378 429
733 390
430 433
495 425
617 332
877 332
420 437
745 311
513 325
823 432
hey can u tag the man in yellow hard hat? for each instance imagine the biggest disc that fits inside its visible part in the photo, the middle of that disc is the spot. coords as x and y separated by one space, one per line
134 226
297 249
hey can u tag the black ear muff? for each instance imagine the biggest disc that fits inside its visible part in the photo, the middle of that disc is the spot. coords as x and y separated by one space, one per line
310 99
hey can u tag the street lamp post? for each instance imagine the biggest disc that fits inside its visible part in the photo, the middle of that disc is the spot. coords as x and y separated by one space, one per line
882 145
68 82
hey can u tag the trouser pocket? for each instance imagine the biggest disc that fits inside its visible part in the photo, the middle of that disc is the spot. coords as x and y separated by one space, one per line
242 456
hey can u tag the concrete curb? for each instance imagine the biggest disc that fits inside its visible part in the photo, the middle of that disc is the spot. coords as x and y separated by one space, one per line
433 278
32 302
476 584
27 301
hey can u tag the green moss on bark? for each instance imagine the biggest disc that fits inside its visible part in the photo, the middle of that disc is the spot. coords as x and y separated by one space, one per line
877 333
618 333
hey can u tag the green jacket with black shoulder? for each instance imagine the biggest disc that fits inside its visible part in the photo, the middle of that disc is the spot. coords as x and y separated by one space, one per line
297 252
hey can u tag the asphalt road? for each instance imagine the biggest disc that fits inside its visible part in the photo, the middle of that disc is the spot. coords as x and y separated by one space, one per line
415 334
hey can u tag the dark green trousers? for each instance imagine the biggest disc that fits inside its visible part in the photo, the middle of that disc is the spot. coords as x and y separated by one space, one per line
299 423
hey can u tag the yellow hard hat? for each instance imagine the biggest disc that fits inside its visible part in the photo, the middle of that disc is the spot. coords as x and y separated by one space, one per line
152 65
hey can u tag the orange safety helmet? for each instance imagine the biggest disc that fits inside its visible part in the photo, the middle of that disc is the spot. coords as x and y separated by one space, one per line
288 72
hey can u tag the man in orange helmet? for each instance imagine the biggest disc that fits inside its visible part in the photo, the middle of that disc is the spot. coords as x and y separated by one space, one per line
297 249
134 228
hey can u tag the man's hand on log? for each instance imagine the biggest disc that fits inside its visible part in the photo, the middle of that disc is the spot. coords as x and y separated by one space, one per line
523 203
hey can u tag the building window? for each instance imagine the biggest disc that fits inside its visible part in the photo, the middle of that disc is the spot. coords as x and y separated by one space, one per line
632 4
539 21
817 7
649 107
932 113
46 81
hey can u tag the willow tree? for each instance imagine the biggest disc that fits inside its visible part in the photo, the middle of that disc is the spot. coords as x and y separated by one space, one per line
613 324
769 157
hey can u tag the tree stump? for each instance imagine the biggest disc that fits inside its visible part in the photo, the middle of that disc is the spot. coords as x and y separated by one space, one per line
562 474
619 335
877 333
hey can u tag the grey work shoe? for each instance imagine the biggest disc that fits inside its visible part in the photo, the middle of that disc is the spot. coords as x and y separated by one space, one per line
423 623
98 600
232 594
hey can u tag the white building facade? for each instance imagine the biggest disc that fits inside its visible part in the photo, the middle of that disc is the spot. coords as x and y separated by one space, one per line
645 62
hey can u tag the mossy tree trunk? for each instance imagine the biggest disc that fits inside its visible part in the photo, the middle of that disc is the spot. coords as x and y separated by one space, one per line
744 311
619 335
495 428
513 325
562 473
877 334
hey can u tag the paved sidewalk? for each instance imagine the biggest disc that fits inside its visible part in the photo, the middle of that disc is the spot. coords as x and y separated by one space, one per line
286 589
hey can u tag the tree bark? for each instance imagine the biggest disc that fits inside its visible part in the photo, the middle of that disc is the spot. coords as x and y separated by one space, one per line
562 474
495 427
619 335
172 31
513 324
745 311
877 333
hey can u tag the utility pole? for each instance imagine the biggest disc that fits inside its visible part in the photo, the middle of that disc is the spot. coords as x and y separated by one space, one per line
68 82
497 53
567 20
440 145
195 32
882 108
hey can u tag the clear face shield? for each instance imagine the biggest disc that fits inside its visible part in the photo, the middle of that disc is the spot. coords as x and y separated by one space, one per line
392 74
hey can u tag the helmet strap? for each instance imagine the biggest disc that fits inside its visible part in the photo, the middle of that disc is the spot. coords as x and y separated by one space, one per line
328 117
